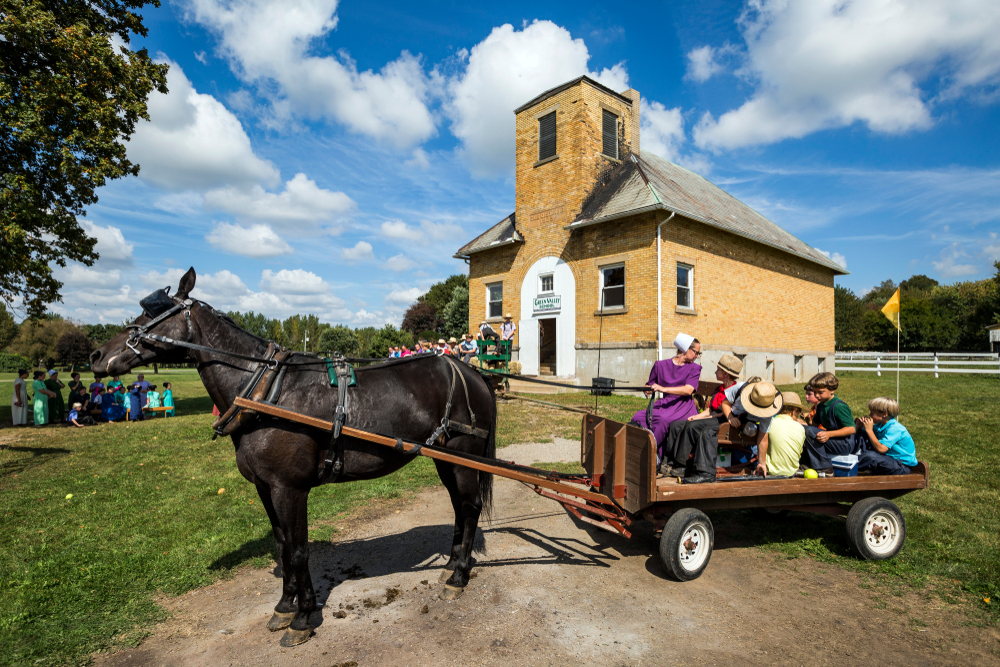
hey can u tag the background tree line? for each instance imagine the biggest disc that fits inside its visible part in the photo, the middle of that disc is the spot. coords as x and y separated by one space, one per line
933 317
51 340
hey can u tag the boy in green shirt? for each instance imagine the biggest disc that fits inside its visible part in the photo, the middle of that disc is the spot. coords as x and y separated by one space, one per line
832 431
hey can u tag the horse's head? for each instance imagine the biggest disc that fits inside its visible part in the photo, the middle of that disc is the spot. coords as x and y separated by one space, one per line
164 316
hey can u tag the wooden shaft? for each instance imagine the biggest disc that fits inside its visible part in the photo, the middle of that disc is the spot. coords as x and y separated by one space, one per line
284 413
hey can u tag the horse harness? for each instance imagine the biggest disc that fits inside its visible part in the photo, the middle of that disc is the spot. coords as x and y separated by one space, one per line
266 381
342 376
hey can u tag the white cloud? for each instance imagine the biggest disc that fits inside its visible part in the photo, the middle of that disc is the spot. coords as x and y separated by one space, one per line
301 202
361 252
293 281
76 277
111 244
193 142
830 63
702 64
955 263
271 45
201 57
661 129
400 263
506 70
428 232
256 241
293 291
404 297
835 257
418 160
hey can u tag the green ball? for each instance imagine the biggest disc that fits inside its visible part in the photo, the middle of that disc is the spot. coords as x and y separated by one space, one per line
810 474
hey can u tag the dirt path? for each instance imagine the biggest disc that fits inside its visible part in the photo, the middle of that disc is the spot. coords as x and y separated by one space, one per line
549 590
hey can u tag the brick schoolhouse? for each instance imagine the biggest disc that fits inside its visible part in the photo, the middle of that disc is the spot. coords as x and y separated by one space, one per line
612 249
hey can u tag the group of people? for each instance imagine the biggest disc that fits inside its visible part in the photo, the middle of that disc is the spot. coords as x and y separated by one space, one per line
87 405
788 440
465 349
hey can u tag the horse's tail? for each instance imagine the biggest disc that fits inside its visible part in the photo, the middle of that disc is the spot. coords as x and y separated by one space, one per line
485 478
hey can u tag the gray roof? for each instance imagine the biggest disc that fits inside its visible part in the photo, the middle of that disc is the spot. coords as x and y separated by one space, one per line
647 182
499 234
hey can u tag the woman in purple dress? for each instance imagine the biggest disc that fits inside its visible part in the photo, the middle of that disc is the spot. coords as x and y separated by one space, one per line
677 380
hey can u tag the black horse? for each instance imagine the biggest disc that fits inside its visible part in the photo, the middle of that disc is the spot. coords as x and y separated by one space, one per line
283 458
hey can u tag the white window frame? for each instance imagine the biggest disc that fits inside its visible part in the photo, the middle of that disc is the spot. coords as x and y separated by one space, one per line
600 284
541 283
689 287
797 368
489 302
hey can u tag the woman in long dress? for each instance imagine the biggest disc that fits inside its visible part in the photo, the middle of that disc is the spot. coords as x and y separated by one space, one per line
677 379
57 406
19 399
42 395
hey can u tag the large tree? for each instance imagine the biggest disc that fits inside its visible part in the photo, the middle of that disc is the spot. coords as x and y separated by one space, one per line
71 92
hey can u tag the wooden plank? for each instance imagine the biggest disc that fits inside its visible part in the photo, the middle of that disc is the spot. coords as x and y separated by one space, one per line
597 453
669 490
619 491
276 411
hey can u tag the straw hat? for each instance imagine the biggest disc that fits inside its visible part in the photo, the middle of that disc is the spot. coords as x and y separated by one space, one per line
761 399
441 341
452 340
507 316
731 364
790 400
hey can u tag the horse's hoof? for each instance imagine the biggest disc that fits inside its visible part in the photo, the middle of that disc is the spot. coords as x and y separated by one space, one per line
280 621
445 576
451 592
295 637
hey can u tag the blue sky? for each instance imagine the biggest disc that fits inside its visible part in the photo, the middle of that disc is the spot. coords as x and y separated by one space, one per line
330 157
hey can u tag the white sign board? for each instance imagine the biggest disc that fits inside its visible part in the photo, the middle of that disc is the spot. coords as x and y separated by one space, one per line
545 304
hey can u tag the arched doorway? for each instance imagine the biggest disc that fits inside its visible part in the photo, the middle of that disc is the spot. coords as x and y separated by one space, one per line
547 329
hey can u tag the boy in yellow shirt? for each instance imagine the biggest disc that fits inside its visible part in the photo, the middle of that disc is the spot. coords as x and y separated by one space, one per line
779 455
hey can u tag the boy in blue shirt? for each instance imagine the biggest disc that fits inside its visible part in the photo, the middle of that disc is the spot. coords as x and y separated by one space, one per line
886 446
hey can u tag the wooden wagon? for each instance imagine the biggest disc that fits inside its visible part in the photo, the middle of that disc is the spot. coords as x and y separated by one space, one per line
620 486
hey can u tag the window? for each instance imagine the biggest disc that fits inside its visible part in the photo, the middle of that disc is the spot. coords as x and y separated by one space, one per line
613 286
547 136
821 365
546 284
797 369
685 286
494 307
610 133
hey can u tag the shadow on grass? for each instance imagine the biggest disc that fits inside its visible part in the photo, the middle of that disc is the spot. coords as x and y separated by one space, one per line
262 547
39 455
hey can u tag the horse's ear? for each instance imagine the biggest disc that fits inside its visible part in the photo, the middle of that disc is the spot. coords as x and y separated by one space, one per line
186 284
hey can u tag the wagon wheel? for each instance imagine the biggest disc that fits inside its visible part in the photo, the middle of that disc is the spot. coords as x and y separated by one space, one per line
876 528
686 544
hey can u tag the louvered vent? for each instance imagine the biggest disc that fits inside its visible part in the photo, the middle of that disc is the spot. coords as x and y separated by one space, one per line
547 136
610 134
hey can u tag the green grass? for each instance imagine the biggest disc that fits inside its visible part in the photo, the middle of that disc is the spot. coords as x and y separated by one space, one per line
81 575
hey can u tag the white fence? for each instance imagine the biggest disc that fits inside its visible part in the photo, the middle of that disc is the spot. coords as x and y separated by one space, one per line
985 363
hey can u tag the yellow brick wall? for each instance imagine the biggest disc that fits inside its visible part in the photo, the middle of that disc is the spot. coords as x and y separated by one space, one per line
746 294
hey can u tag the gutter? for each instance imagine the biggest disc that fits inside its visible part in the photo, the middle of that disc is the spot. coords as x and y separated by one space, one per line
659 287
495 244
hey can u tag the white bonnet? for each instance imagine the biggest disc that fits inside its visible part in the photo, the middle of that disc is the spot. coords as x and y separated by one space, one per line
683 342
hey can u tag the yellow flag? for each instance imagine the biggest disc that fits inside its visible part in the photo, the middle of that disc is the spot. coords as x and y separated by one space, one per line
891 310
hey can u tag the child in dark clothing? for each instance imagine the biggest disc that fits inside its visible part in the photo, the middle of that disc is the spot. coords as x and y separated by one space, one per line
836 437
135 403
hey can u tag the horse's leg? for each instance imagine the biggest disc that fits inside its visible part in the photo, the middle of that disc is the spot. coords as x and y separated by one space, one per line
469 507
284 611
446 471
291 507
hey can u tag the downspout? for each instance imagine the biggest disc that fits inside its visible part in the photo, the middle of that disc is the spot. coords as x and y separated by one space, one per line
659 286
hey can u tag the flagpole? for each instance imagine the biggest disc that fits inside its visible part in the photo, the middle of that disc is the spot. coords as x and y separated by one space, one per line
897 365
